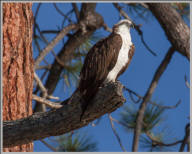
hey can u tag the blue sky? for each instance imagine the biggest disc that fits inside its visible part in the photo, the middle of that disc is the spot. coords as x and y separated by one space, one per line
170 89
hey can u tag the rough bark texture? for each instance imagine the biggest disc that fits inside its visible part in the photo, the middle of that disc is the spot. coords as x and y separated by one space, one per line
62 120
17 65
90 21
178 33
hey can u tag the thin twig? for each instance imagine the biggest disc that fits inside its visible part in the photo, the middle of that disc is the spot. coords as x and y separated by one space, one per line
42 77
61 13
121 123
67 14
186 82
137 27
186 138
37 11
51 45
35 18
34 28
156 142
43 89
46 102
150 102
50 31
148 95
41 86
107 28
44 67
114 131
57 59
38 46
75 8
52 51
121 11
52 97
49 146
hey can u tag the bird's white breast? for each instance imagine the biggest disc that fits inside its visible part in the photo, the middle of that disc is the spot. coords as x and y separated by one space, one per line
122 57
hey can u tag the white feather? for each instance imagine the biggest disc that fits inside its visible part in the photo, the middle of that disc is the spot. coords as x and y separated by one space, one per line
124 31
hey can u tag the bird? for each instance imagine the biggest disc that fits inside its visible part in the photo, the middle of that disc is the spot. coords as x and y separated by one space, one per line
105 62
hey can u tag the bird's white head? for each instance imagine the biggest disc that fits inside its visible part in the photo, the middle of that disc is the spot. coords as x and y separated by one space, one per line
123 26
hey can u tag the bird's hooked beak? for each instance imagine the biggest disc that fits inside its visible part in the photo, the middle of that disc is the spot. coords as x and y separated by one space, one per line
132 25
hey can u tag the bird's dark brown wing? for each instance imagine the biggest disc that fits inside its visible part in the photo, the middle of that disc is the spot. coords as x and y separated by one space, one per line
101 58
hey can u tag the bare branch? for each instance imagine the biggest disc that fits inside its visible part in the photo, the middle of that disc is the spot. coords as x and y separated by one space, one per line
50 31
49 146
40 84
176 30
156 142
121 123
76 11
37 11
43 67
52 51
46 102
107 28
52 97
115 132
148 95
121 11
186 139
61 13
63 120
186 82
38 46
153 103
51 45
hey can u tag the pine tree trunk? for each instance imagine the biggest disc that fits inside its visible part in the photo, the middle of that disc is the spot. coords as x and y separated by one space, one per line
17 65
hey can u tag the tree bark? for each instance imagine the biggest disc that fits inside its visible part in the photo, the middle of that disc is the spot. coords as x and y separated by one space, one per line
177 32
17 65
63 120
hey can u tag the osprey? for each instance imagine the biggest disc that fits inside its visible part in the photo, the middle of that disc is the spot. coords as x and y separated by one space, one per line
106 61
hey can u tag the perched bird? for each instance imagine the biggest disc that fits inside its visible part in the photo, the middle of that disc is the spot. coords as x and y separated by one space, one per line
106 61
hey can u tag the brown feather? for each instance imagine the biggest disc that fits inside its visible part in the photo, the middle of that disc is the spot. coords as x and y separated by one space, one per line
99 61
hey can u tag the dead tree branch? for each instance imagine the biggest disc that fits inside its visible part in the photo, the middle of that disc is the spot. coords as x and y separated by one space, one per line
176 30
46 102
41 86
49 146
150 102
156 142
148 95
51 45
107 28
61 13
63 120
75 8
186 139
115 132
